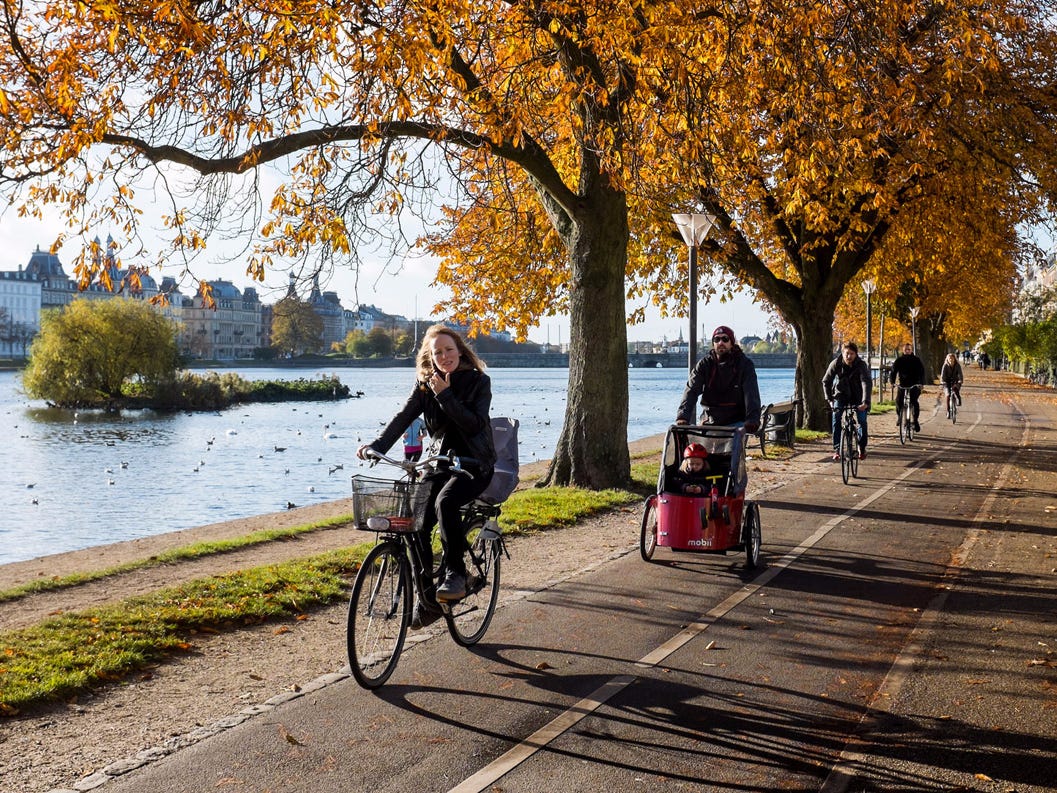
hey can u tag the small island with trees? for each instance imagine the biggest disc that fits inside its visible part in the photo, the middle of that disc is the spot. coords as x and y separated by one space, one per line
122 354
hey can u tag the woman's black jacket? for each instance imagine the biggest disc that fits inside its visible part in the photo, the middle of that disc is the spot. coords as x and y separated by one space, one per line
457 419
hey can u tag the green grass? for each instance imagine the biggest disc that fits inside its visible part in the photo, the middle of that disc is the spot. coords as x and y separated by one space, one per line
184 553
881 407
79 651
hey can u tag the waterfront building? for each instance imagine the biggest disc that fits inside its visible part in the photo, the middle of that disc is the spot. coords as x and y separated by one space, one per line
19 313
230 330
328 308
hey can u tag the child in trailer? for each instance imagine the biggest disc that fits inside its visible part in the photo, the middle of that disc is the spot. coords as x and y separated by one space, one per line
691 477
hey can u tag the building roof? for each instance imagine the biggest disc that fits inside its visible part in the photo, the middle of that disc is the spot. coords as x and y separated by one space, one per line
44 264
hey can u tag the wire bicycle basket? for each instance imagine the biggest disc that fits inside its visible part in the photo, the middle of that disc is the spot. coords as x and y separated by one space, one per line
388 505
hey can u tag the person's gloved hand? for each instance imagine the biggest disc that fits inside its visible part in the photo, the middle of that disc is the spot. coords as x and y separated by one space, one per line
752 427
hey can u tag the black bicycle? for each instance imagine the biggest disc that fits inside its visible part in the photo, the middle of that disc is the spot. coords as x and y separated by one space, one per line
904 419
952 401
849 442
399 568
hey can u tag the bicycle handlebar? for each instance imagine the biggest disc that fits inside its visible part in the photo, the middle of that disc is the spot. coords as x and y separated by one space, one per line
411 466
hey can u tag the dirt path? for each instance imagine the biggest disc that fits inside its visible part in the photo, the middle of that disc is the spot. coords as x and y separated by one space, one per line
228 677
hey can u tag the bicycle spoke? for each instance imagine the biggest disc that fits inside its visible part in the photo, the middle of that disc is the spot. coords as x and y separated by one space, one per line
379 610
468 618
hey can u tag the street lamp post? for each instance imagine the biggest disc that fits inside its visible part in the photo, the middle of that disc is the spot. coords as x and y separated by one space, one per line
914 311
869 287
694 229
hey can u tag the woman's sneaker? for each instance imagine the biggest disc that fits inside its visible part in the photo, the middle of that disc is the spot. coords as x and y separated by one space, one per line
453 588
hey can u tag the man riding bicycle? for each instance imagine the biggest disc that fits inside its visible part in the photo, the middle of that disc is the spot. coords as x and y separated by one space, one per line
909 371
847 385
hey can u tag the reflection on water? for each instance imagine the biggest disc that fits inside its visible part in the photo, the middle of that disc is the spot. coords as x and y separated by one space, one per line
73 480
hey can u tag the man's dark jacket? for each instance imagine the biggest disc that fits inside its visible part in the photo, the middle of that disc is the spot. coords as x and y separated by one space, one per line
728 389
849 385
908 369
456 419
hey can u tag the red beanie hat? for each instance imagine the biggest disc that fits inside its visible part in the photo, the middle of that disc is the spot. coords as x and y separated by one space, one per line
723 330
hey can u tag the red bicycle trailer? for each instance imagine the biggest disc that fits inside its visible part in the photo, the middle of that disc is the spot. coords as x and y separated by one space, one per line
718 520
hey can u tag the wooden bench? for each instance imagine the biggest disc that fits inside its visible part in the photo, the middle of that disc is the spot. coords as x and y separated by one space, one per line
778 424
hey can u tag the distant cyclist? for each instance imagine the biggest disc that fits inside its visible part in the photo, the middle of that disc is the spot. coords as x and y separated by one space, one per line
951 377
909 371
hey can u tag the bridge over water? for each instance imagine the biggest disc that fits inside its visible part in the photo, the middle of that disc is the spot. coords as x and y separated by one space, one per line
635 360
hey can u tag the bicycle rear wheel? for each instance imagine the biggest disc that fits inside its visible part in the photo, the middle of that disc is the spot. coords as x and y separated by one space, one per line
847 452
468 619
379 613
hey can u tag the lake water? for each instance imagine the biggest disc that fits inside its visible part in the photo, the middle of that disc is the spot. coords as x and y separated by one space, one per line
75 480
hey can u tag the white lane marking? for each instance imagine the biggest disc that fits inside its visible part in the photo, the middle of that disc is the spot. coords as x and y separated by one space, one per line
520 752
543 736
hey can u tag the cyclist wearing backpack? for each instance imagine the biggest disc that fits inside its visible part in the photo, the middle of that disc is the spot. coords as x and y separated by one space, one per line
847 384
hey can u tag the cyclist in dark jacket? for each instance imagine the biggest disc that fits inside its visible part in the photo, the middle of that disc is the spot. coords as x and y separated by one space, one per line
725 380
847 384
909 371
453 395
951 377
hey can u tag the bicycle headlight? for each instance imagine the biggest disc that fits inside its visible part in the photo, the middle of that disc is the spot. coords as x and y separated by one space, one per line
378 523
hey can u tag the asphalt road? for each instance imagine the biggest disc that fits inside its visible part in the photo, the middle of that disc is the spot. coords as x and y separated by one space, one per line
899 635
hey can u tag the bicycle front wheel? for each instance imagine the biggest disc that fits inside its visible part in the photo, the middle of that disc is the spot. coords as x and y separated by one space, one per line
648 537
468 619
903 427
379 613
847 453
751 534
954 411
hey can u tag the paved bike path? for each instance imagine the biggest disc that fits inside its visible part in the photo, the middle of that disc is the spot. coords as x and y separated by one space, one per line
900 635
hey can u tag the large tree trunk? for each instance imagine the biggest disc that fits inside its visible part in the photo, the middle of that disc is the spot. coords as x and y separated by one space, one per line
592 450
932 347
814 351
